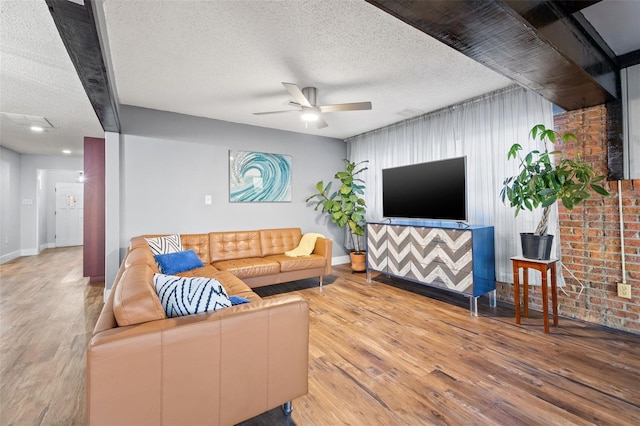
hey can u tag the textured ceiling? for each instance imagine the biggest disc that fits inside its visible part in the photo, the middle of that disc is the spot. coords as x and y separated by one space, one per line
617 23
37 78
227 59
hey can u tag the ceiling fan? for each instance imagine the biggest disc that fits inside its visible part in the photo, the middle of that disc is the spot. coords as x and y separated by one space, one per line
305 102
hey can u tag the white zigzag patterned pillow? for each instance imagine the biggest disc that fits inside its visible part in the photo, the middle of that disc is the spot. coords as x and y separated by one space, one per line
181 296
165 245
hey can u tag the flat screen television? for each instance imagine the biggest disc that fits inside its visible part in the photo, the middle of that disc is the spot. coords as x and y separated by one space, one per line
435 190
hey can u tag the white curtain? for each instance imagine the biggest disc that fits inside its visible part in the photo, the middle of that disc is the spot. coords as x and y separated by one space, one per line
483 129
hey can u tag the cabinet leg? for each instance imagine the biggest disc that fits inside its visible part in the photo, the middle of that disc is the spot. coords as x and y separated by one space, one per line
473 306
368 276
492 299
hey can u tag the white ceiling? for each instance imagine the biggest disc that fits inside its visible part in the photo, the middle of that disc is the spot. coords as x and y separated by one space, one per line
227 59
37 78
617 22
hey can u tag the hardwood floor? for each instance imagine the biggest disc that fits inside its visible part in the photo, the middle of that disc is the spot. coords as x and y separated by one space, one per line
47 314
385 353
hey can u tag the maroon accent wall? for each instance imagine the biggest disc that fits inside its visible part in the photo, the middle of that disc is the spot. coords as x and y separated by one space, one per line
94 207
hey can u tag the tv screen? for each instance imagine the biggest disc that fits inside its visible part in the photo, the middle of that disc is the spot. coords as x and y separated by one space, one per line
434 190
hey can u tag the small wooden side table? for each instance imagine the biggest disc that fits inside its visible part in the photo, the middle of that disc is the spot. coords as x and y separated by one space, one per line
544 266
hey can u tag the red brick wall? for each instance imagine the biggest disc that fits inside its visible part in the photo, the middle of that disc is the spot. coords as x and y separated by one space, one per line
590 236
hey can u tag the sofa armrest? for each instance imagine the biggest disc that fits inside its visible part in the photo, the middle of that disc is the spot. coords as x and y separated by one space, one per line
323 247
220 368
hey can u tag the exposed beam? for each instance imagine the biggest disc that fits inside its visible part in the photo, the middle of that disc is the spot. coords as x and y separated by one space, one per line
629 59
573 6
615 144
533 42
77 29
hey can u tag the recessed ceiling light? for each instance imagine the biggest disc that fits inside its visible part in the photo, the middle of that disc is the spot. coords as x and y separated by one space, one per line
36 129
66 151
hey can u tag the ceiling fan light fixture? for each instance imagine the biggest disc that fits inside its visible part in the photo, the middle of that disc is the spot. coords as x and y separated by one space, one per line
310 116
310 112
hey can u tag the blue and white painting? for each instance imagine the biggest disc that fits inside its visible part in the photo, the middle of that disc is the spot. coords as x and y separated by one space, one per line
259 177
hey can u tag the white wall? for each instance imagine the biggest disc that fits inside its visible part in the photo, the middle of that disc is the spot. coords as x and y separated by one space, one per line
631 122
169 162
113 147
32 236
9 205
27 221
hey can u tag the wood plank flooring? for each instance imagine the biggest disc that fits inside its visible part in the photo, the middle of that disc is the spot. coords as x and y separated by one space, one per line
387 352
47 314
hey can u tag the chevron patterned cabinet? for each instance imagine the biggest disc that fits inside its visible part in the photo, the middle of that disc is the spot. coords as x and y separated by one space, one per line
451 256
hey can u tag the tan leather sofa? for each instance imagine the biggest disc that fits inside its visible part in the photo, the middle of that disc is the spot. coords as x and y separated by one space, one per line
257 257
215 368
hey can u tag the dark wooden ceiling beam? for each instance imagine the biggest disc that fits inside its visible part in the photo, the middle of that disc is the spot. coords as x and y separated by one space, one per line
77 28
629 59
573 6
533 42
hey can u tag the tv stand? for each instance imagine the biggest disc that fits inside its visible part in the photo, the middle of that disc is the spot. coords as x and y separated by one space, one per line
437 254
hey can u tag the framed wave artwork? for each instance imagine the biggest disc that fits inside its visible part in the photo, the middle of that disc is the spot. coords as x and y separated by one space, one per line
259 177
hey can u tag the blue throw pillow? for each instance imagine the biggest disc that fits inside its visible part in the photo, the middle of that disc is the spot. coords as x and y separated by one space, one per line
237 300
174 263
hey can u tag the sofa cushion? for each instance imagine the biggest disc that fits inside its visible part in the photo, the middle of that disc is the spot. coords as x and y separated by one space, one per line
198 243
277 241
135 300
231 283
174 263
288 263
165 244
204 271
234 245
251 267
182 296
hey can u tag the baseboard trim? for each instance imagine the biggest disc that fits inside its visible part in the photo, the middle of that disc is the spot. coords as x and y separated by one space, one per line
47 246
96 279
340 260
29 252
9 256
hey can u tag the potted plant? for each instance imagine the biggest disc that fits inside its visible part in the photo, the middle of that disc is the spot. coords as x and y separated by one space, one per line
541 183
346 207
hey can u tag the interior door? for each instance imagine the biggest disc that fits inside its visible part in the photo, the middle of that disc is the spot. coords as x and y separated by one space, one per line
69 214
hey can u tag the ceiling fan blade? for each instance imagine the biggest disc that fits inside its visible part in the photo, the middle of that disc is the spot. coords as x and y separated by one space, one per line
274 112
354 106
320 123
294 104
297 94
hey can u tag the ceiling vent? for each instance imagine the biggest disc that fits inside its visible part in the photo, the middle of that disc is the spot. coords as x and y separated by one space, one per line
409 112
28 120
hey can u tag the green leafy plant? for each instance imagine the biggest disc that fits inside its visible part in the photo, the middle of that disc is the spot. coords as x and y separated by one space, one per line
346 206
541 183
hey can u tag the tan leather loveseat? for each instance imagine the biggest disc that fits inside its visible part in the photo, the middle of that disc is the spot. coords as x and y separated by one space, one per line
214 368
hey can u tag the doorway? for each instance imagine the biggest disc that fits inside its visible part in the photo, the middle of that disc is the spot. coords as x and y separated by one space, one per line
69 214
